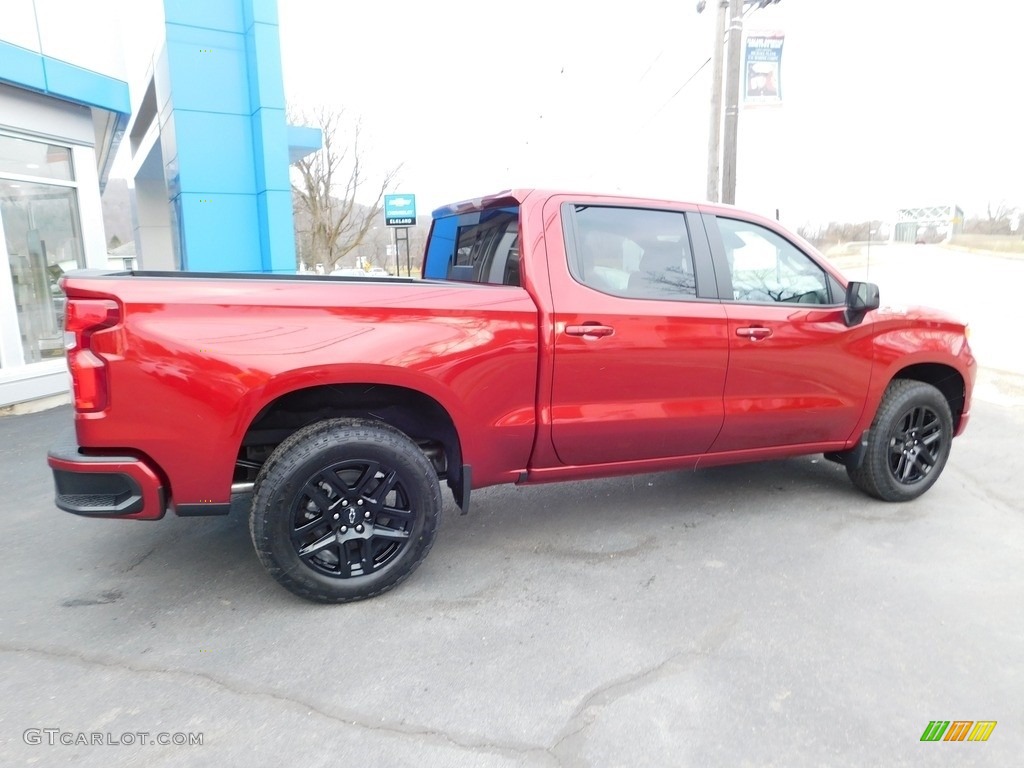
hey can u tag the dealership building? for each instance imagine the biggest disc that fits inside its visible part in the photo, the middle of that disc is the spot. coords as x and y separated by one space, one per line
199 121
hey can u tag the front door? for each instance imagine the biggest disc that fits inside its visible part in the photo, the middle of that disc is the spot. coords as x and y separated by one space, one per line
797 373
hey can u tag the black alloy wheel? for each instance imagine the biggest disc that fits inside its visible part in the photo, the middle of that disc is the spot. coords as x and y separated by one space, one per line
344 509
351 518
909 442
916 442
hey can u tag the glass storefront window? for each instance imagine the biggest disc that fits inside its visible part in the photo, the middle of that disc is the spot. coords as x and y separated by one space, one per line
34 158
43 239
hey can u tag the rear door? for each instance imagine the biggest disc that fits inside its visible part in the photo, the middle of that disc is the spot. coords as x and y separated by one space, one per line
640 338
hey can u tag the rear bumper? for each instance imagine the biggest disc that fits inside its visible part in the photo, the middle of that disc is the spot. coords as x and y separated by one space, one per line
121 487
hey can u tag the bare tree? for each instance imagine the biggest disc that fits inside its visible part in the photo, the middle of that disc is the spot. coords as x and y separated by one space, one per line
837 233
997 220
329 221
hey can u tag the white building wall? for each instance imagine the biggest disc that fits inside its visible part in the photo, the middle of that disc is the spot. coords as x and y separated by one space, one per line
28 112
86 34
90 208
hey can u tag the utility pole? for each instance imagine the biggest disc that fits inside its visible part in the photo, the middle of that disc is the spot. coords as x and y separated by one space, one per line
732 101
715 128
722 164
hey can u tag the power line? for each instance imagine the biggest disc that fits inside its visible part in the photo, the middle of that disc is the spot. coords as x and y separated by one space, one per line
650 66
697 72
678 91
746 12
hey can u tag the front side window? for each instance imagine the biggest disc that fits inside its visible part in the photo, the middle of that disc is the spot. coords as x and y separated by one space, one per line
635 253
765 268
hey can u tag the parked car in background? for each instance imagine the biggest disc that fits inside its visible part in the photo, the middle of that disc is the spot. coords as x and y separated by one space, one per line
349 272
360 272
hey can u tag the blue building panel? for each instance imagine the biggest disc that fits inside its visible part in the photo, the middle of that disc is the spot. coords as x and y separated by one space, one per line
259 12
303 140
38 72
263 53
277 237
220 233
215 152
22 67
208 70
224 136
270 144
223 15
85 86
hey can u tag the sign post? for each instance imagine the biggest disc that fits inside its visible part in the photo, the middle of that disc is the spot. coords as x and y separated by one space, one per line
400 213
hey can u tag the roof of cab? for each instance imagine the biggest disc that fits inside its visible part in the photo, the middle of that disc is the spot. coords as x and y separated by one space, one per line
511 197
498 199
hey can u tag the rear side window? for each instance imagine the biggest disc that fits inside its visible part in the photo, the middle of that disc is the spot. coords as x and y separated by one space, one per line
478 247
635 253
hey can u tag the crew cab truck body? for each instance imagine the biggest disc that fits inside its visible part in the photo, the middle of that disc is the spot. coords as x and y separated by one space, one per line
554 336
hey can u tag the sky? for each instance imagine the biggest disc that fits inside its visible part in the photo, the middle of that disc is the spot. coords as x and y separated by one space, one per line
887 103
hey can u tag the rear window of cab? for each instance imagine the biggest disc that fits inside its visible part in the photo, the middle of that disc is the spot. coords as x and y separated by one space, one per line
475 247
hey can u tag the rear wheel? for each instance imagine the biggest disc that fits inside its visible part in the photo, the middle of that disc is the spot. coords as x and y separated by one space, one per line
344 509
909 443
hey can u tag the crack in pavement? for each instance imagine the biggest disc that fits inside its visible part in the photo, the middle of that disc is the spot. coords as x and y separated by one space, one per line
105 598
501 749
138 562
590 708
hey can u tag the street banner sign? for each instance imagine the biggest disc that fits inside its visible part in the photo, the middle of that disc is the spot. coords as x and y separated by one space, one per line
762 70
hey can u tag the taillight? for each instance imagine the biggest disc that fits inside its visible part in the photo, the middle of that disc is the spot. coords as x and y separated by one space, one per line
83 318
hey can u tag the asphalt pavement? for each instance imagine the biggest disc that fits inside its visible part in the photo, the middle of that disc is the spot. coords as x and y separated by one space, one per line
761 615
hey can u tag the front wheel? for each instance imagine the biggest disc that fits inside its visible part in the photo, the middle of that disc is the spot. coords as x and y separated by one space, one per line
344 509
909 443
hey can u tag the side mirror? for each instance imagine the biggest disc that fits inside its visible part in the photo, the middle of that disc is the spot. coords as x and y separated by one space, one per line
861 298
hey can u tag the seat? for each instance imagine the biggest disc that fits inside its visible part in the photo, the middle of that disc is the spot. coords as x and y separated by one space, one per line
600 263
663 274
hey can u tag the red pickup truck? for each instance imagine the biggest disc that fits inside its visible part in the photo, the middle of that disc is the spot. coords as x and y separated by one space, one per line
553 336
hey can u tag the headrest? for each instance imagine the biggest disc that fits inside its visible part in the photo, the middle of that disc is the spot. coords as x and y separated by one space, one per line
731 240
659 256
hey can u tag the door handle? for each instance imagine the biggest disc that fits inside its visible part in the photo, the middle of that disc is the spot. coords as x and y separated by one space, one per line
754 333
589 331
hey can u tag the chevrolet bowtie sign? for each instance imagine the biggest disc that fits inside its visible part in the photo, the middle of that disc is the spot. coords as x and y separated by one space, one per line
400 210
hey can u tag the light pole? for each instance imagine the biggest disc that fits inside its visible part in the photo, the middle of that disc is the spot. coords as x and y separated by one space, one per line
871 232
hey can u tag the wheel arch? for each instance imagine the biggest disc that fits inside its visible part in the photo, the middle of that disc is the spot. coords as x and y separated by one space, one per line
945 378
414 413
